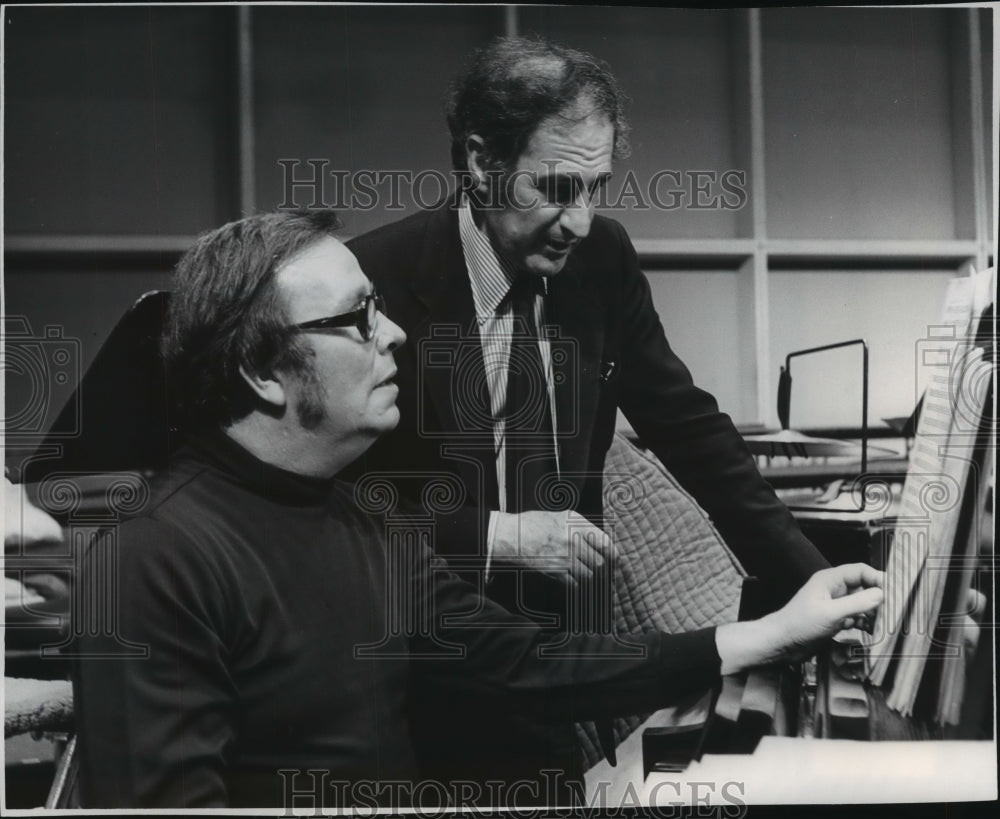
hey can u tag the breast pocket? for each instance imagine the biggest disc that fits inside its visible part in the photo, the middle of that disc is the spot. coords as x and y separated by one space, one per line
607 401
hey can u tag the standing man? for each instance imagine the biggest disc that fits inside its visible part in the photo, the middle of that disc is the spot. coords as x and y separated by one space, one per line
531 325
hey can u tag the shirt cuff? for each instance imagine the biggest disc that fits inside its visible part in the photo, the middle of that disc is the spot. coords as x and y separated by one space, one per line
491 530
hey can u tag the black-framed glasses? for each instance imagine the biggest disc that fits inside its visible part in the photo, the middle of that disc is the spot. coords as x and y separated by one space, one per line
365 318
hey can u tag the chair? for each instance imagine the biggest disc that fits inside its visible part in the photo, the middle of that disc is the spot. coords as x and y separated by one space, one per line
64 793
673 571
45 707
120 408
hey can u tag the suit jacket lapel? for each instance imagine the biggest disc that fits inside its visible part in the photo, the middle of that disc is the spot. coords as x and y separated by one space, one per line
576 361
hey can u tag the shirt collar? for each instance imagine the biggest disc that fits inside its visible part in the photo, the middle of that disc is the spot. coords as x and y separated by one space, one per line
226 455
490 276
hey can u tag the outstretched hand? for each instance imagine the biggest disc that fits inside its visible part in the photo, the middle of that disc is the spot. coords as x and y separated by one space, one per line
830 600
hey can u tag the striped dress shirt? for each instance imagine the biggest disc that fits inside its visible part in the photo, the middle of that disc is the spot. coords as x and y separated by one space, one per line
491 278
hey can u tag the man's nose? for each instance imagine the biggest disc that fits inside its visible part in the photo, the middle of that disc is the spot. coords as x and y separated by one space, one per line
576 217
390 335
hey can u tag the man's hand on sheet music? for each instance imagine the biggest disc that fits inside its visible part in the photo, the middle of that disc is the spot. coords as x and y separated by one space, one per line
552 543
831 600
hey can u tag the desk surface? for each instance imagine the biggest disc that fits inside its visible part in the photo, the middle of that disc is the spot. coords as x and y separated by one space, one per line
788 770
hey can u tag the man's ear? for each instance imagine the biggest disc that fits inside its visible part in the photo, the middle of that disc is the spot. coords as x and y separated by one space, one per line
268 387
475 156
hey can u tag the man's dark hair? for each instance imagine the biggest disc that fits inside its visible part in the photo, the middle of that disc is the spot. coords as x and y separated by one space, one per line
226 312
514 83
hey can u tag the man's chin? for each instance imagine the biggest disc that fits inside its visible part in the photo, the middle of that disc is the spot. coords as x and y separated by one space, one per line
542 265
385 424
390 420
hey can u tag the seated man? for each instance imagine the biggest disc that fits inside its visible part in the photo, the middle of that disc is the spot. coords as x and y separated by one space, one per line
265 594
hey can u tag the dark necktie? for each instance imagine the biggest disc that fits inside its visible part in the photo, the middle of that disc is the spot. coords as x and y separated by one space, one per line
530 453
531 457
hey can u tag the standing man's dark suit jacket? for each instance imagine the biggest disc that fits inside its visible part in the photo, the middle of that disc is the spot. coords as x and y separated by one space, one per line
616 355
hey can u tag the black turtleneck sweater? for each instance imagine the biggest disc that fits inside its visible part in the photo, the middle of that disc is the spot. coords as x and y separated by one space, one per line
253 589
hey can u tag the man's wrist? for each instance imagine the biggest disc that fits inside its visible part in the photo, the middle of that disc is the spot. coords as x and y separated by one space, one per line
748 644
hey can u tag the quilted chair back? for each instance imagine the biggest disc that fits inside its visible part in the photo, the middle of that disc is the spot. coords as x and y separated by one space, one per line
673 571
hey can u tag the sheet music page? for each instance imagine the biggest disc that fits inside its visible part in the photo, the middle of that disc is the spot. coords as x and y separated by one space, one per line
909 550
941 499
967 602
931 503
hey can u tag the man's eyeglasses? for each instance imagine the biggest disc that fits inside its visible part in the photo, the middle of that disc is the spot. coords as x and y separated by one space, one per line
365 318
